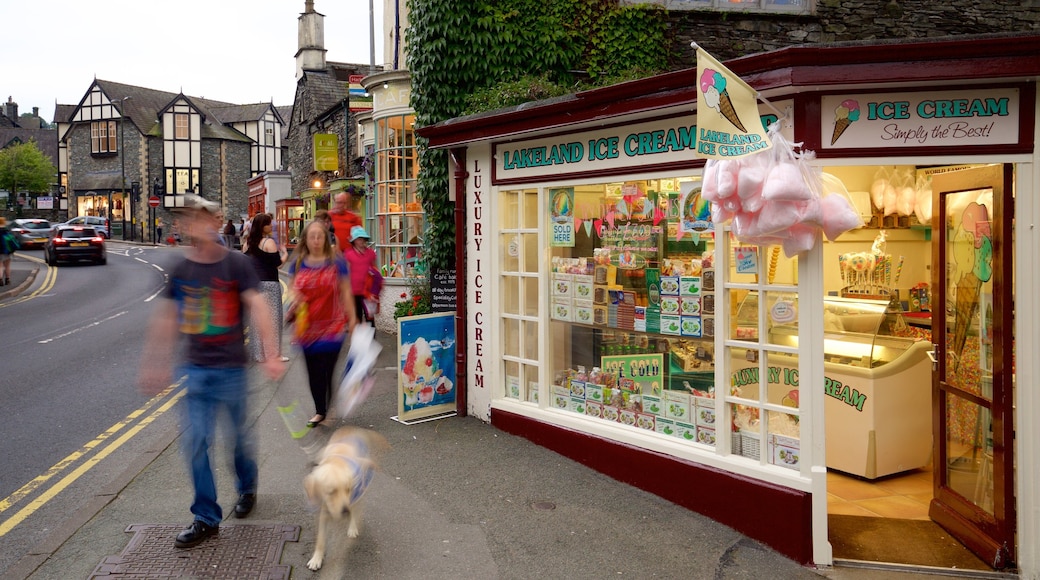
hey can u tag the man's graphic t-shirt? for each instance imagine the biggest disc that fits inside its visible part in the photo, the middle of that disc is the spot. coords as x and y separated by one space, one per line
210 308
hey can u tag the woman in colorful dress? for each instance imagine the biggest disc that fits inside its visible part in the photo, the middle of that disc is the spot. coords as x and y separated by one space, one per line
322 310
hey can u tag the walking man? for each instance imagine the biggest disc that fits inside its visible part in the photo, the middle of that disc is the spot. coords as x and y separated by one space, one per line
204 306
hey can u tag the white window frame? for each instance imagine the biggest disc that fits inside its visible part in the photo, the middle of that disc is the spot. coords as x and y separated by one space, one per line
763 6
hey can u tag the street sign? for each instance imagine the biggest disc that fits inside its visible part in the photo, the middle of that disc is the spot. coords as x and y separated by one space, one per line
153 201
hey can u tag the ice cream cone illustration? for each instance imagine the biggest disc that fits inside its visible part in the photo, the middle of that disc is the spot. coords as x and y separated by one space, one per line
844 115
964 310
713 86
726 108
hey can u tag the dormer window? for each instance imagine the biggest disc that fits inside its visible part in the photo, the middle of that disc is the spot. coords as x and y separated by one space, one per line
181 127
103 137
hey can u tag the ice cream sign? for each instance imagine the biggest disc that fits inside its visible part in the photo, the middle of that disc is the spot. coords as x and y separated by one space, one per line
923 119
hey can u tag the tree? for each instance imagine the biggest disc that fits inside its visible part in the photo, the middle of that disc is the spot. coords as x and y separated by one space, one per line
23 167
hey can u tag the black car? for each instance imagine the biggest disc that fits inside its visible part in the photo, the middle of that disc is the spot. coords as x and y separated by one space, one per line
72 243
31 232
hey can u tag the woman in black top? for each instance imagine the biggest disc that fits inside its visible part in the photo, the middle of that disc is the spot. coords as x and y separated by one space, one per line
267 257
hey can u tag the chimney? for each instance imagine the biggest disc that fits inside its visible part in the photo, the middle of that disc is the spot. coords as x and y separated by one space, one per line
11 110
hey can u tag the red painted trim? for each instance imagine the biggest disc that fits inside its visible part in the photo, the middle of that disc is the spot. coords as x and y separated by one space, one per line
457 162
777 516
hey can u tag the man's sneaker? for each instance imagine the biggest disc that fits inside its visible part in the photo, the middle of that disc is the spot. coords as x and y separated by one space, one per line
194 534
245 504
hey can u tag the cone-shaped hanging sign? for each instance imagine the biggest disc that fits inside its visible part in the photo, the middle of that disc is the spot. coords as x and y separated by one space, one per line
588 228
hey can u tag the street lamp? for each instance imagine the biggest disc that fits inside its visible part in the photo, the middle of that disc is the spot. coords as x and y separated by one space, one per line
122 170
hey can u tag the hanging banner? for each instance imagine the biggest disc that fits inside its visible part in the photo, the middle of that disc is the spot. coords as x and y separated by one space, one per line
426 364
326 152
728 124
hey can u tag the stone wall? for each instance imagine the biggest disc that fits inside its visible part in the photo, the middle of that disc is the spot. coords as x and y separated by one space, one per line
730 34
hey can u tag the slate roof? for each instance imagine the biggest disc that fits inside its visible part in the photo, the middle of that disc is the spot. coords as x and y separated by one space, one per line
46 139
144 106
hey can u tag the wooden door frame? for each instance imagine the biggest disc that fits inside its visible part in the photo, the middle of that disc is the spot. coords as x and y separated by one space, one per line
991 537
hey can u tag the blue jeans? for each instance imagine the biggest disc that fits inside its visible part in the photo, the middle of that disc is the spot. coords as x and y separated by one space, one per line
207 390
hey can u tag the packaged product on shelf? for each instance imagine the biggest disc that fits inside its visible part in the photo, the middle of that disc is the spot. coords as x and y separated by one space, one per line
594 392
653 319
600 295
708 326
670 324
611 413
577 388
690 326
704 409
562 310
689 285
576 405
708 280
627 417
685 431
593 409
583 313
600 314
646 421
665 426
670 305
706 435
561 397
583 287
677 406
653 286
562 285
690 306
708 304
669 285
653 404
784 451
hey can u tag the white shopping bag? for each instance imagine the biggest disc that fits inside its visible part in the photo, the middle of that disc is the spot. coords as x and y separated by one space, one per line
357 376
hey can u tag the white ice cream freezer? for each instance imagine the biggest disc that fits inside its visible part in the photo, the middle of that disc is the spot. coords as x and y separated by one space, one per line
878 379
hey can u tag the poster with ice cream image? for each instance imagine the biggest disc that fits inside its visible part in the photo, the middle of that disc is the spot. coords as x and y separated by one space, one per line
426 359
728 122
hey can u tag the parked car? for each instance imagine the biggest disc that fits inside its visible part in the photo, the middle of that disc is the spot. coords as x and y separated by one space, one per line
31 232
99 224
72 243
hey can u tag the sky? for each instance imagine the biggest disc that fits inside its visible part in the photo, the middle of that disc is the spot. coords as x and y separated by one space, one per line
236 51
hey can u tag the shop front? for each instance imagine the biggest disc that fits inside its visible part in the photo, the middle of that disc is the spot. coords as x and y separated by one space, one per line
610 319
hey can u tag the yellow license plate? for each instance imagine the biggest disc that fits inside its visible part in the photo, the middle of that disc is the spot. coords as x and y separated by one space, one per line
79 244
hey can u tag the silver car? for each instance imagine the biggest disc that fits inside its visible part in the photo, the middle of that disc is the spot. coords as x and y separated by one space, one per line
99 224
31 232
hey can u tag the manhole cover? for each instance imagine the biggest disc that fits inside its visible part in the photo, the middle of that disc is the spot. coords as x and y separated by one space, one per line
238 551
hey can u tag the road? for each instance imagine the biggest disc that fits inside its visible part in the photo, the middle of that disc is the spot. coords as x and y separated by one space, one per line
70 413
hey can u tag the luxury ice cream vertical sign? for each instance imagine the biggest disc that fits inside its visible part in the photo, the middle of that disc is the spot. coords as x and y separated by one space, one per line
728 124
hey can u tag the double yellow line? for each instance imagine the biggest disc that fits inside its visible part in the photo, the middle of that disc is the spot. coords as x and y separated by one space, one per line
48 282
151 411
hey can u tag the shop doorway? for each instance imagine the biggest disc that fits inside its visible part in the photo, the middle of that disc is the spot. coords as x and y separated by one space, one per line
958 510
973 419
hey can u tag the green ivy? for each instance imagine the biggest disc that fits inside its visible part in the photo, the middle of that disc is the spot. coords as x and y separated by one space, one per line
466 56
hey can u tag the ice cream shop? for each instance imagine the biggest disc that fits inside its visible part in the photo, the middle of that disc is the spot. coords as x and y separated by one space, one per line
647 295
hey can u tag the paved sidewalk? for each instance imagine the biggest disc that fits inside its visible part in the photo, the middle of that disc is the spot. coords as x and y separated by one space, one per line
23 272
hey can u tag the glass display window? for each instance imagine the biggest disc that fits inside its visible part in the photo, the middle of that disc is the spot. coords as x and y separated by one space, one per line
519 296
632 306
761 350
400 218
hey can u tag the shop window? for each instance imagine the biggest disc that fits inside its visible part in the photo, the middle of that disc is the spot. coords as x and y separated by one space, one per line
520 295
399 213
632 308
103 137
761 348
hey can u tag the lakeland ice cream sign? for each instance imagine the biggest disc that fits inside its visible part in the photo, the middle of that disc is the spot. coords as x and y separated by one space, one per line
628 147
920 119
